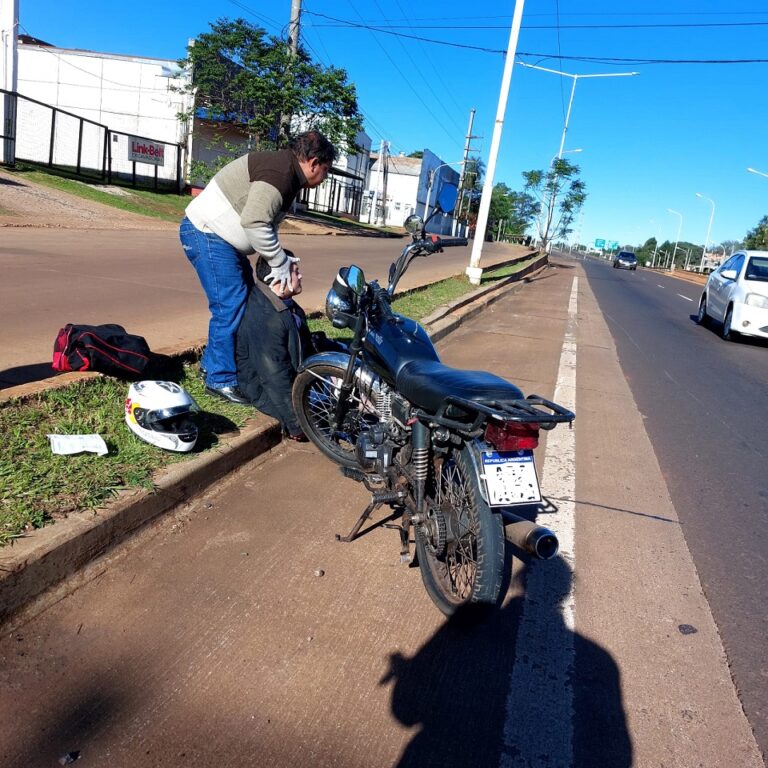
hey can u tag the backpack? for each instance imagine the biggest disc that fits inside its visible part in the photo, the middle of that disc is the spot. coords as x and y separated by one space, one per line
105 348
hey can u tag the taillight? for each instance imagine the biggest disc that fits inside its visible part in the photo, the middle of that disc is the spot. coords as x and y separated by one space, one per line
512 436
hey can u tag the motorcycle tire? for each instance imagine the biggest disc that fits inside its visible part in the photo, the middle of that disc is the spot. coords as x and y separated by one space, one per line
315 395
461 556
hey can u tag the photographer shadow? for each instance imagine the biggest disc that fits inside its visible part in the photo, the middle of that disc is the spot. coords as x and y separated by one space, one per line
507 691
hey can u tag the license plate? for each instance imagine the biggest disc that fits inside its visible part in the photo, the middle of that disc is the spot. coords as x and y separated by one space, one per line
510 478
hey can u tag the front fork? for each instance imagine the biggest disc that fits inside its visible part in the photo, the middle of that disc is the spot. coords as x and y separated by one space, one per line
347 383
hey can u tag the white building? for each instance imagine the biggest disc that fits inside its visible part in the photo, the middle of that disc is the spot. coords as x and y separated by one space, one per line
134 97
410 183
139 98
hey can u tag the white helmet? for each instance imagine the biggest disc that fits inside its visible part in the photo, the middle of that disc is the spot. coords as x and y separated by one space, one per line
160 412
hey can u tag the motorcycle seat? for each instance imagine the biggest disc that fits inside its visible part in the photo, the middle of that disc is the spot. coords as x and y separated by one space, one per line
427 383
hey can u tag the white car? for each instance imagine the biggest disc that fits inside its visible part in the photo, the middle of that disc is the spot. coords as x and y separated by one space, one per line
736 295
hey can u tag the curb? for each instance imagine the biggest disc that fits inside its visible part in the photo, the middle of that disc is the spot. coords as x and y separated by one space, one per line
37 562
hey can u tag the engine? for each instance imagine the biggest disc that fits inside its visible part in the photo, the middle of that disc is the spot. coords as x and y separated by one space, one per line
377 444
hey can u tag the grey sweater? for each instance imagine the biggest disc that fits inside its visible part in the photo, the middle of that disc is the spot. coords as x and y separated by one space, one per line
247 199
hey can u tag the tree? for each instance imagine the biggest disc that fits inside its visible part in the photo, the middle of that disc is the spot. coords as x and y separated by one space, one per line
516 209
417 154
242 76
561 193
757 238
729 246
645 252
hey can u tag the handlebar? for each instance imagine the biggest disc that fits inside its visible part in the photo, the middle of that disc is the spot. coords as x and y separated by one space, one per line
453 242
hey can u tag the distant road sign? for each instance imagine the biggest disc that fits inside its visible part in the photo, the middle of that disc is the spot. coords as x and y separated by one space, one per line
599 243
612 245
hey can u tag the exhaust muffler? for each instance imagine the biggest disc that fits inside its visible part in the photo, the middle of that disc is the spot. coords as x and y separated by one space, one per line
530 537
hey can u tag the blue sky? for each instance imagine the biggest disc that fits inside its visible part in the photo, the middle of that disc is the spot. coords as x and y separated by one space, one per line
649 142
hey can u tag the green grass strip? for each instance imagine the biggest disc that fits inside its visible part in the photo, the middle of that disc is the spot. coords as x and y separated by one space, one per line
37 487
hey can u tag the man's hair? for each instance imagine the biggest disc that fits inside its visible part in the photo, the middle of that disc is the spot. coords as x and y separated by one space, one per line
312 144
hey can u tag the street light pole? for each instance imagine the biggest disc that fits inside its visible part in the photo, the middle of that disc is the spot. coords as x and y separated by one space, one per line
474 270
679 230
709 228
575 78
759 173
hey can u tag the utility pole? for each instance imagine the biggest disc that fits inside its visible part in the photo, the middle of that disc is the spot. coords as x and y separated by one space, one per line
294 27
474 270
467 139
384 160
294 30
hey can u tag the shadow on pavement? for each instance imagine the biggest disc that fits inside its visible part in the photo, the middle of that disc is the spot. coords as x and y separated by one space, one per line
24 374
458 690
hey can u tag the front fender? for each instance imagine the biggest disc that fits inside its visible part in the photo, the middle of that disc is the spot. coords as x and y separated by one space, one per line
340 359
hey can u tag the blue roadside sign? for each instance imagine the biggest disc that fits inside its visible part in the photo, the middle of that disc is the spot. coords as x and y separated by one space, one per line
599 243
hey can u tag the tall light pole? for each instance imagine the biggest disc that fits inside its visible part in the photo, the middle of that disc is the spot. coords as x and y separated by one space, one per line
759 173
679 230
575 79
474 270
709 228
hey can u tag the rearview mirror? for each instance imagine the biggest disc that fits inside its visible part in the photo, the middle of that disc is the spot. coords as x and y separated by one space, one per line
729 274
446 199
356 280
413 224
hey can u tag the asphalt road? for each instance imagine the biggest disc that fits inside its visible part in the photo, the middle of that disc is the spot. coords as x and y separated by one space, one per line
141 280
705 405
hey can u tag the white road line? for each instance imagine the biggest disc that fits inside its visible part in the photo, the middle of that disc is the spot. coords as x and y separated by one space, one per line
659 285
684 297
538 728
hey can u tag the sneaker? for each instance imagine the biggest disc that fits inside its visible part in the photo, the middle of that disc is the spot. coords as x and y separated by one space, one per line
231 394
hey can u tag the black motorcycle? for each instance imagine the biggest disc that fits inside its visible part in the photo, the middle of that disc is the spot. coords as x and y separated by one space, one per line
450 450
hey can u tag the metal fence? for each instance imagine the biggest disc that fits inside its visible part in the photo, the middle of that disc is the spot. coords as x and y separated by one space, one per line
45 135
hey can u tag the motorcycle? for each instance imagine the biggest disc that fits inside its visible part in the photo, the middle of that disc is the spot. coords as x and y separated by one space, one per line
450 450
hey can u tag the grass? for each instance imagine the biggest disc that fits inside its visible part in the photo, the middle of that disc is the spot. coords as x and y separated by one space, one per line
37 487
160 205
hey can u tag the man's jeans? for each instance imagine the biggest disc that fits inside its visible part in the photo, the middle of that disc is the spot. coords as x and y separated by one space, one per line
226 277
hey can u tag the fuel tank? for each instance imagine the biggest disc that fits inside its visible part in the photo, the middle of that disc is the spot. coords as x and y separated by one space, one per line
393 342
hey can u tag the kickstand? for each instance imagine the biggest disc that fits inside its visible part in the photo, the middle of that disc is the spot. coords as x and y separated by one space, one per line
359 524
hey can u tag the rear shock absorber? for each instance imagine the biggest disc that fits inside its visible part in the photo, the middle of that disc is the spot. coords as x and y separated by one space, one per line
420 463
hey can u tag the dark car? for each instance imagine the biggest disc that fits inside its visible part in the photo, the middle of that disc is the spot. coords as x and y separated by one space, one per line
625 260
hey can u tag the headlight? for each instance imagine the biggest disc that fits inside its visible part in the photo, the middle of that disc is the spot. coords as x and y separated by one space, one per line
756 300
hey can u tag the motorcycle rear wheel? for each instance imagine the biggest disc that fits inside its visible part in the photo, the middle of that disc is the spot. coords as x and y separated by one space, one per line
461 557
315 395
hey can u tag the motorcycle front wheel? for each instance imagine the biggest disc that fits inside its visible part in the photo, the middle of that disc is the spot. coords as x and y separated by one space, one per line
460 546
315 396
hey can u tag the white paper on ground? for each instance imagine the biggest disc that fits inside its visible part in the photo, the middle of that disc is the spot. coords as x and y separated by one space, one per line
64 445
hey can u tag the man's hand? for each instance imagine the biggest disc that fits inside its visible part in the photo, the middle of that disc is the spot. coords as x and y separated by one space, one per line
279 277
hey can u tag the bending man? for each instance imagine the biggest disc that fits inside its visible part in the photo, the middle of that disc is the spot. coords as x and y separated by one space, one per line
237 214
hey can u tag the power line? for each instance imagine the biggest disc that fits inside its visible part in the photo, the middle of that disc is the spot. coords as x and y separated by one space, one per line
624 61
400 72
400 34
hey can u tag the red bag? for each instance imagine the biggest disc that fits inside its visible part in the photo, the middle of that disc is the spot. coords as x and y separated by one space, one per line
105 348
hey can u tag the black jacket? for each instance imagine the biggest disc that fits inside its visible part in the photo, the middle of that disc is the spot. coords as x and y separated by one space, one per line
272 340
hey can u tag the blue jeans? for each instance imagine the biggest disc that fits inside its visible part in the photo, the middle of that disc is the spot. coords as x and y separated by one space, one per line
226 277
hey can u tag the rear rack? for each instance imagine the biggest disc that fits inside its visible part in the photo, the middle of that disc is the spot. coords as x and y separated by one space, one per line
529 410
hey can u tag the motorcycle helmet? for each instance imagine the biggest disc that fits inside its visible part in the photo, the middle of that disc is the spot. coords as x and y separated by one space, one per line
341 298
161 413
